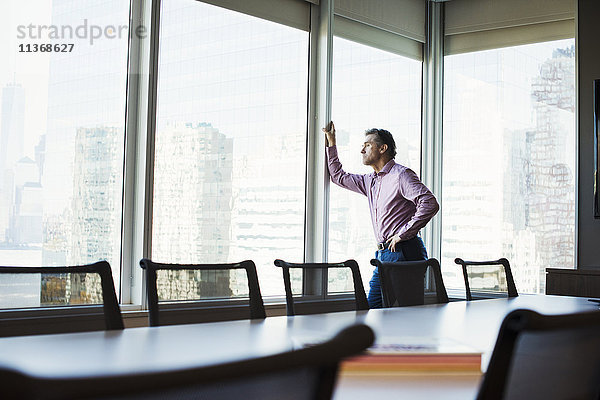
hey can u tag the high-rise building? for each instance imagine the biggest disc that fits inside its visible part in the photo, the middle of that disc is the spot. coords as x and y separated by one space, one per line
508 180
550 179
12 129
192 195
97 191
26 214
94 224
82 160
85 94
12 119
267 220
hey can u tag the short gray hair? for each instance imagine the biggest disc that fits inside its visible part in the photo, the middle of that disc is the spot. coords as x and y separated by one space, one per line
384 137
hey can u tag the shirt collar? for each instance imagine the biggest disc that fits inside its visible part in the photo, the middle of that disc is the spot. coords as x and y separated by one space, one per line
387 167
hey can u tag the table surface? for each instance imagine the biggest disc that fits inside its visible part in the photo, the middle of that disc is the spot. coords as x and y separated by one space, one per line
137 350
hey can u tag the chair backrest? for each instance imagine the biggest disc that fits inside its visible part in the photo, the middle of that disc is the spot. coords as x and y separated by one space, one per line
510 282
403 282
304 374
359 290
545 357
78 286
157 318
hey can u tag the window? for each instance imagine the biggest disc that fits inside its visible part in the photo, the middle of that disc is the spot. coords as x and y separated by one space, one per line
230 147
509 160
230 152
371 88
61 140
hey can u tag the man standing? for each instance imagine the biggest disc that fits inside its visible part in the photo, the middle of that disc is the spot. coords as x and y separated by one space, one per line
399 202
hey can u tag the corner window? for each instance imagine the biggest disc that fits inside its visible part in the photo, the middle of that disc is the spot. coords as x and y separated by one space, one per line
509 161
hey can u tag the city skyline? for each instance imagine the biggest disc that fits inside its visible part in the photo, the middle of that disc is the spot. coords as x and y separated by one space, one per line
205 124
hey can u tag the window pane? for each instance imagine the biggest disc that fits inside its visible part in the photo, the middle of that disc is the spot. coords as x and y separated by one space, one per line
61 137
231 140
509 161
196 285
49 290
371 89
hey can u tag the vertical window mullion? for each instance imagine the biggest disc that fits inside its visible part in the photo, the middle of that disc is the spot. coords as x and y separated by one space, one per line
139 158
317 178
432 113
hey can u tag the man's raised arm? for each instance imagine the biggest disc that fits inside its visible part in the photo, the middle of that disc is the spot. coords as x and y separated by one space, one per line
354 182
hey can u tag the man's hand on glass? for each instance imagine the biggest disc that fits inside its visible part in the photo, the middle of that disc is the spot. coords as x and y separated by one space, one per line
330 134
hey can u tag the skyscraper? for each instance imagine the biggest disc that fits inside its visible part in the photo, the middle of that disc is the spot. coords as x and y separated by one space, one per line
12 119
11 129
96 193
550 180
82 160
509 154
86 104
192 196
26 212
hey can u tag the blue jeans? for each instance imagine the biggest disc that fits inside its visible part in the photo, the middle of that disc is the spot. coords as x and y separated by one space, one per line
409 250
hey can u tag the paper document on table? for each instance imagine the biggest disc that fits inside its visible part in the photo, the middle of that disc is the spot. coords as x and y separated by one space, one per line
415 355
392 355
390 345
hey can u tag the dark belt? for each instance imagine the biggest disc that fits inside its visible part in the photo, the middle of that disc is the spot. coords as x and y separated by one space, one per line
382 245
385 245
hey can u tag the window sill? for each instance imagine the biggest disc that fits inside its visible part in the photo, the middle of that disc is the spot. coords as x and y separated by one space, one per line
47 320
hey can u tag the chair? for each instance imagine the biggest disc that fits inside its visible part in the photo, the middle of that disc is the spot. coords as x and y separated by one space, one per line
545 357
306 373
403 282
191 314
359 290
57 289
512 289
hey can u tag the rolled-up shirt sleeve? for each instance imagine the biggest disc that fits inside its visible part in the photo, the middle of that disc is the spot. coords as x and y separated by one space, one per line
425 202
354 182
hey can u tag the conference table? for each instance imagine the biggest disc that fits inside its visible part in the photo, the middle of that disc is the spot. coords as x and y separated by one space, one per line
149 349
